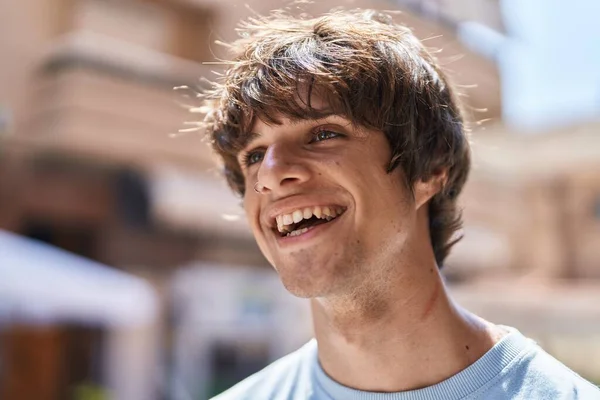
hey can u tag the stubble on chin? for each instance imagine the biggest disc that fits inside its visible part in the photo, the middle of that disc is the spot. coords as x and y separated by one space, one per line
307 274
303 275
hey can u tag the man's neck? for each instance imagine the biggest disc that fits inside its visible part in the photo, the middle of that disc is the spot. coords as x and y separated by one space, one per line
390 341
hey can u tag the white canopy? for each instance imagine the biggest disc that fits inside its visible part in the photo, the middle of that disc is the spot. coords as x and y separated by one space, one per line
39 283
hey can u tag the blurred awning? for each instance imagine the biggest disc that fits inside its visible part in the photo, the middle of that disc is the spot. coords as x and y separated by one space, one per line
41 283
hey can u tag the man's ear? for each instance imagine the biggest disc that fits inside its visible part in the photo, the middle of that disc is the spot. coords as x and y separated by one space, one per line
425 189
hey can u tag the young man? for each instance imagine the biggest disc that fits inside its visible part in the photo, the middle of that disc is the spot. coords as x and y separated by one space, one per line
348 147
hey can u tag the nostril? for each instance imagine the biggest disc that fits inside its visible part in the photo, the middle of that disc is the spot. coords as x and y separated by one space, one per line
289 180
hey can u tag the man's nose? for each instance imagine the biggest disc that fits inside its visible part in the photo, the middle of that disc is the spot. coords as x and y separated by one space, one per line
282 167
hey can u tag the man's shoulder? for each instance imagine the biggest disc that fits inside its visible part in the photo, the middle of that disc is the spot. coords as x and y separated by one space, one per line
538 375
286 378
558 379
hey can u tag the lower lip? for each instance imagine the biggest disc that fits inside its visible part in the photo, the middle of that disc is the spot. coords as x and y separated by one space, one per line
309 234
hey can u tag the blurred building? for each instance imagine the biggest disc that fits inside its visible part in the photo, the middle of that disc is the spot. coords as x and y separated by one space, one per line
88 163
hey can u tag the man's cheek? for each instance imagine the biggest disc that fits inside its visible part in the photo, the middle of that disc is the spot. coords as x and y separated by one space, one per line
261 241
264 249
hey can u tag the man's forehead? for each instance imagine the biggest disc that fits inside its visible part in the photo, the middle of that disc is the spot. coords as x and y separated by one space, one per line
312 97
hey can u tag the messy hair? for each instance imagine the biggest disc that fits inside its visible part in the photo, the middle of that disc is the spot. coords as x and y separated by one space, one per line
369 70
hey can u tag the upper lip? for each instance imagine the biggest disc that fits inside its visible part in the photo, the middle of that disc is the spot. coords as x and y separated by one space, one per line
289 205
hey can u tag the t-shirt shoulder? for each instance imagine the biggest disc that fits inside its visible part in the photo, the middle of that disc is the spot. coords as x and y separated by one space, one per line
552 379
279 379
538 375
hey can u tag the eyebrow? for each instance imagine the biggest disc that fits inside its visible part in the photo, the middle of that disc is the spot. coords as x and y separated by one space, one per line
252 136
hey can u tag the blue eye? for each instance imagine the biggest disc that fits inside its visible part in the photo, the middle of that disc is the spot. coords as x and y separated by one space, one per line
253 157
324 135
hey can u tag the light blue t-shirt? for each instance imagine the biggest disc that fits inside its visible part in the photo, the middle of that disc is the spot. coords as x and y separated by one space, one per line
516 368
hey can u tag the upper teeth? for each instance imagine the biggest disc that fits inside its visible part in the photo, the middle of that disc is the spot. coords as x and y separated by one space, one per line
284 221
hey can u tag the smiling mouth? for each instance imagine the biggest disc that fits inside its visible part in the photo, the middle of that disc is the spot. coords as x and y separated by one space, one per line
302 220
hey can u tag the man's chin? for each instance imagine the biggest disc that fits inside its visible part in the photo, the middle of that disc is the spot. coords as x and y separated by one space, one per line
309 274
305 287
304 292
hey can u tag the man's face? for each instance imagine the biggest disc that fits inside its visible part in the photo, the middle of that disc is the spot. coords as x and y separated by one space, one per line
328 216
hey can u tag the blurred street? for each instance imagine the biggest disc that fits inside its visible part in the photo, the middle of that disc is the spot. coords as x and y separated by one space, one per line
127 268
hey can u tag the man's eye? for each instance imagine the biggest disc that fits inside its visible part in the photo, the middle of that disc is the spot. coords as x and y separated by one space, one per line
324 135
253 157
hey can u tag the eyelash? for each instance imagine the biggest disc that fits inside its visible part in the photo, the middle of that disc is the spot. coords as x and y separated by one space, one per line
247 157
319 131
